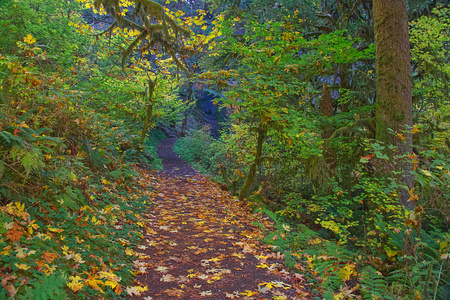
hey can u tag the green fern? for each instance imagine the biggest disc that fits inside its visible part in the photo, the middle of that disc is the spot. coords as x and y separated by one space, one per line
10 139
373 284
274 217
45 288
31 159
3 295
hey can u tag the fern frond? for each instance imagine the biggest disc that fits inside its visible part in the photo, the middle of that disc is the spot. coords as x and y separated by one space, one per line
44 288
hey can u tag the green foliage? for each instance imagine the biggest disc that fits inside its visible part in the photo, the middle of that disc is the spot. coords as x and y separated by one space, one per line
196 148
373 284
69 145
430 37
274 95
51 287
46 20
323 169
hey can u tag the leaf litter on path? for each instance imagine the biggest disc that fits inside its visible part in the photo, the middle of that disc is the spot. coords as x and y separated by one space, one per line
199 244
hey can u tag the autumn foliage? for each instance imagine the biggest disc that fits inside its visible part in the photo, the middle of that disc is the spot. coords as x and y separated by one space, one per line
85 85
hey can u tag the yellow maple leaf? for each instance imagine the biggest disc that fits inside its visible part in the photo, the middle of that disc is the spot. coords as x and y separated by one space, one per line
142 288
22 266
110 283
20 207
109 276
29 39
57 230
214 259
94 283
21 254
249 293
339 296
286 227
268 285
129 252
32 225
6 251
76 283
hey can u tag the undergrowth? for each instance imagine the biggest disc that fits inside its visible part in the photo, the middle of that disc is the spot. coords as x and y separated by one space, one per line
71 196
353 240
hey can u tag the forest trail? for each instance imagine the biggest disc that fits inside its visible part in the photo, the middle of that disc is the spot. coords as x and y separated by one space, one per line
199 242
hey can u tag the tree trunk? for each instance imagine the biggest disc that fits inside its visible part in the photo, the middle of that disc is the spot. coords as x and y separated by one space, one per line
394 99
326 108
262 131
148 119
343 70
190 93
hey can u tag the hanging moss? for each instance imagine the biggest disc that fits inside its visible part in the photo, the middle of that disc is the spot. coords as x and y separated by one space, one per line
132 45
150 13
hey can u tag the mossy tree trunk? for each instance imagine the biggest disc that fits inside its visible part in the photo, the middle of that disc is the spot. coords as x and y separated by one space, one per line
393 65
189 99
149 117
261 135
343 72
326 108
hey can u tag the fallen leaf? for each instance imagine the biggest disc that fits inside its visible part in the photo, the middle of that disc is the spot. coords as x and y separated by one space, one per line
76 283
162 269
249 293
174 292
167 278
206 293
49 257
22 266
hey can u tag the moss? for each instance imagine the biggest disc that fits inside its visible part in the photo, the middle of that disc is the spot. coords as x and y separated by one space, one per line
132 45
149 11
5 90
151 8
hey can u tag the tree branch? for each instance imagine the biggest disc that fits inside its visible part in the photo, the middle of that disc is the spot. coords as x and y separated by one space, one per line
361 122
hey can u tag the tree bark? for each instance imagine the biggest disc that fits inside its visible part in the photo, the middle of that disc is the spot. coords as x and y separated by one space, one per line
262 131
326 108
393 65
148 119
190 93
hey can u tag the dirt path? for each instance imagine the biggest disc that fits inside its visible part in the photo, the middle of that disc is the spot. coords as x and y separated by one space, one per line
172 163
199 243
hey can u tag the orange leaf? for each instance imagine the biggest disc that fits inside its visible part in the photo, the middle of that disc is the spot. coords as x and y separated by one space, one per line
13 234
118 289
369 156
39 263
400 136
49 257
